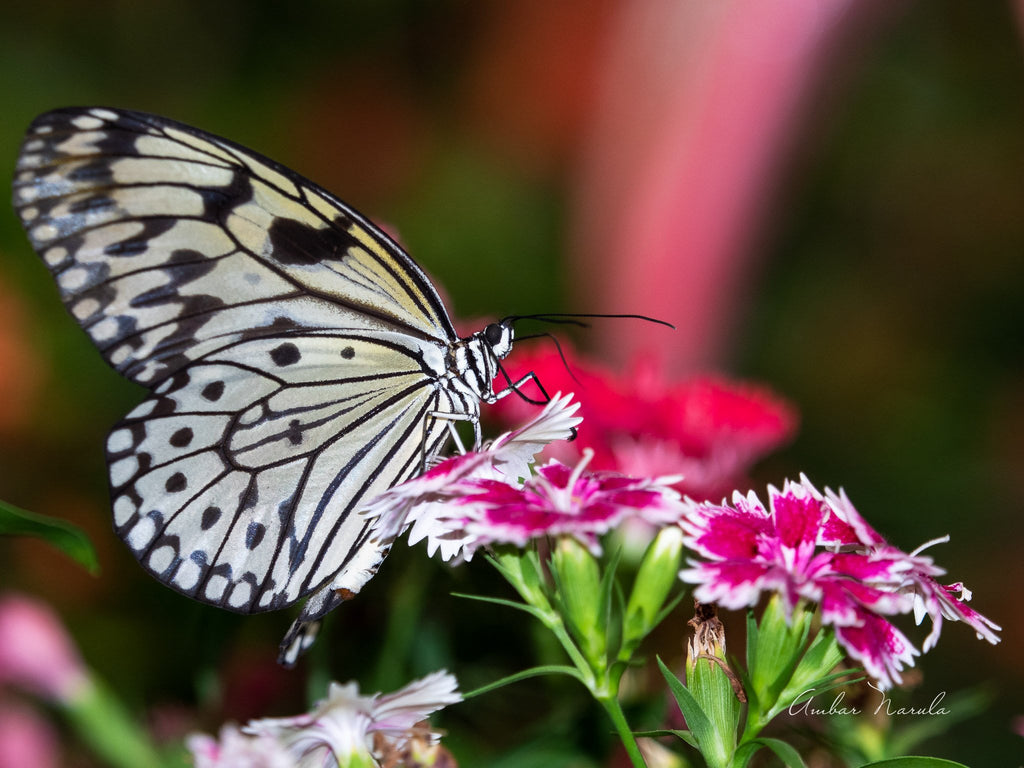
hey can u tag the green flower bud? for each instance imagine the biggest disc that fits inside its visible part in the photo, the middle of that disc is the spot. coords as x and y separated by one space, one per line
658 573
578 580
714 686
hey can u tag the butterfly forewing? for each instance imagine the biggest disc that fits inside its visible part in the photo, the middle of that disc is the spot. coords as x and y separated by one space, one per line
297 357
168 243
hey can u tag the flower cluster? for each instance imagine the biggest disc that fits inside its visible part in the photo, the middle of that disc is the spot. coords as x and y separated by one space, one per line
345 729
488 497
816 547
804 545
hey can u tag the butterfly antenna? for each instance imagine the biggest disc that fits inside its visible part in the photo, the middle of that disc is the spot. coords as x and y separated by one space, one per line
561 354
575 318
548 319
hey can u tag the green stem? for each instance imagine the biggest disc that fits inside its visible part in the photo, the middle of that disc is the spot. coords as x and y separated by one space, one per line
102 722
597 681
604 690
554 622
611 706
551 619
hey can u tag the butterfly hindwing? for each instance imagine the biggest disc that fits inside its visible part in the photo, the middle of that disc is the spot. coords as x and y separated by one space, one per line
168 243
237 484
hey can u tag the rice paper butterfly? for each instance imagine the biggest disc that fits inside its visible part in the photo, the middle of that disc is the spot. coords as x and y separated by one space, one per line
298 361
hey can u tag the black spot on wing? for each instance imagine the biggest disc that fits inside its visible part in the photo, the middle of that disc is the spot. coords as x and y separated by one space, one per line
210 517
121 135
251 497
165 406
219 202
254 535
190 256
285 354
175 483
96 173
183 267
348 353
279 326
213 391
177 381
182 437
294 433
299 244
88 204
136 244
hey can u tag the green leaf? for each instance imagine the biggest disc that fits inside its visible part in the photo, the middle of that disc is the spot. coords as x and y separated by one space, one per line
915 762
526 674
608 587
818 661
533 611
698 722
683 735
786 753
58 533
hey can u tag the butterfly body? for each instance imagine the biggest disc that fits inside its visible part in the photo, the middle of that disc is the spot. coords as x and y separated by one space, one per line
299 362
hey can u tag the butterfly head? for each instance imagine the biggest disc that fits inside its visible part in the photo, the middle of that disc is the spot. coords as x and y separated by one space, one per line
474 360
498 337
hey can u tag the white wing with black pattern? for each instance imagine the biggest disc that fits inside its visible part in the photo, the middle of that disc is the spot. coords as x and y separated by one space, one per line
297 358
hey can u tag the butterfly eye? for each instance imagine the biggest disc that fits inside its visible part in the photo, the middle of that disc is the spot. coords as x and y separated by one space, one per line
493 334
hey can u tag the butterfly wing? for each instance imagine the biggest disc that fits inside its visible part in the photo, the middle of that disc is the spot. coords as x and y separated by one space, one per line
239 481
293 351
168 243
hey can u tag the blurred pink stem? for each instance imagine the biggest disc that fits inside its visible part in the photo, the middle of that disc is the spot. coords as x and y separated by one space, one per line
36 652
698 103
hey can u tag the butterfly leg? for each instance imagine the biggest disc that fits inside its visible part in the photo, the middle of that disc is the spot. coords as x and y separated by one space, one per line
515 386
451 419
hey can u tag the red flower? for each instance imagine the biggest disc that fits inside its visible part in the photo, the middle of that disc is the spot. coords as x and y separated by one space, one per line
706 428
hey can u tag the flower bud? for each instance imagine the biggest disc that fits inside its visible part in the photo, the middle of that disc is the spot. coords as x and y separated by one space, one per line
578 578
713 684
654 581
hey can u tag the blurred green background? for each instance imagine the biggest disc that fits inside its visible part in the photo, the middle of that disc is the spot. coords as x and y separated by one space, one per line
888 305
